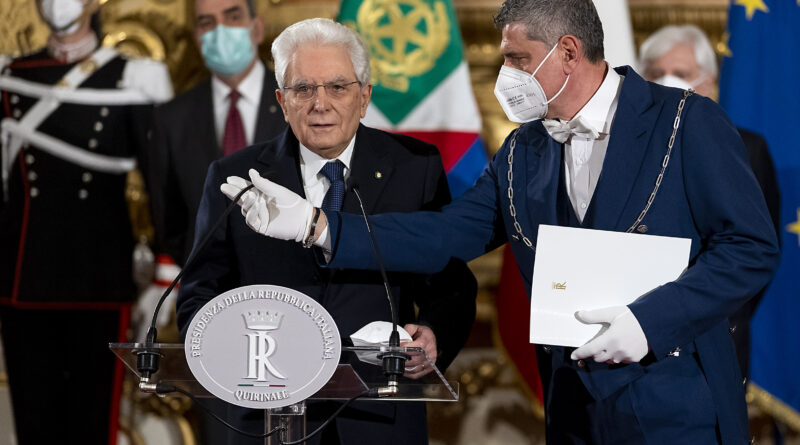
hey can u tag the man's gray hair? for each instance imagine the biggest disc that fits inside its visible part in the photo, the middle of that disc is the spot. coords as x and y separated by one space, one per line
663 40
547 21
316 32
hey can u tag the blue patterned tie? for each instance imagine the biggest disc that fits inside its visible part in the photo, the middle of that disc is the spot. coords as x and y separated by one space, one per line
334 171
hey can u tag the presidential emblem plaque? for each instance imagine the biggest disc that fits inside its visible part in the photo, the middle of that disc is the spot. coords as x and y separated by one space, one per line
271 348
262 346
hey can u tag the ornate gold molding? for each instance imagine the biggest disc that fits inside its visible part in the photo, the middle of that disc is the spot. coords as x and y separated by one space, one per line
711 16
773 406
22 31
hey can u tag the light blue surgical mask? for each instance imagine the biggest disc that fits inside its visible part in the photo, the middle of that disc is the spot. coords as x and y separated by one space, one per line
227 50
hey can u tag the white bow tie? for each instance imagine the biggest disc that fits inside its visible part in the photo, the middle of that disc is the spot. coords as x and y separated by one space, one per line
561 131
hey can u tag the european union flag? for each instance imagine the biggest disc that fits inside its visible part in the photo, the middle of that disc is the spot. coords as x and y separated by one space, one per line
760 89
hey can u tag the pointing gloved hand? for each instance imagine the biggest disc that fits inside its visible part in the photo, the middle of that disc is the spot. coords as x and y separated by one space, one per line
270 209
623 341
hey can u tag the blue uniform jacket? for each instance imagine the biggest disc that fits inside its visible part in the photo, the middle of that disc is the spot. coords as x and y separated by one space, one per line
708 194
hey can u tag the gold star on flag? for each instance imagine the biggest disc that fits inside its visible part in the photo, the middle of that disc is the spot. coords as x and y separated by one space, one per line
795 227
751 6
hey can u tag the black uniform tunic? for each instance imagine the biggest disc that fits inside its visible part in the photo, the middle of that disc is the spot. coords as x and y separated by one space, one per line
65 263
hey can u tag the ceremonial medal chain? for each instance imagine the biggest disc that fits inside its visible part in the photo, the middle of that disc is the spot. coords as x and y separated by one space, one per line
512 145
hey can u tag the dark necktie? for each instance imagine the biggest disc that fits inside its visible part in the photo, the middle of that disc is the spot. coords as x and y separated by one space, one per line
334 171
234 138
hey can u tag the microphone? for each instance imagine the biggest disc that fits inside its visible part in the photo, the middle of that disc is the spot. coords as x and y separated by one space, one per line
147 360
394 361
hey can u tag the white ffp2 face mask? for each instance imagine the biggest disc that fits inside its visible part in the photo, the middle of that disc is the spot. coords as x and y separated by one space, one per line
520 95
676 82
62 15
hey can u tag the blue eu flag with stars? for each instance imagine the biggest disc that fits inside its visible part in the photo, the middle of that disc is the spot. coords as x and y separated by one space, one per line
760 90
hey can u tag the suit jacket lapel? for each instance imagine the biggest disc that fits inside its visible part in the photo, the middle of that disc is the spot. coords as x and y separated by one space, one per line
630 135
280 162
204 140
371 169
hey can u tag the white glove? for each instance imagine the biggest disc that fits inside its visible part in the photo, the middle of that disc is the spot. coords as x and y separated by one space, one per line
270 209
623 341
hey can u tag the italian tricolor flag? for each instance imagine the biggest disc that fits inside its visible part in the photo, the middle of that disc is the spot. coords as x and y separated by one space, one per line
421 84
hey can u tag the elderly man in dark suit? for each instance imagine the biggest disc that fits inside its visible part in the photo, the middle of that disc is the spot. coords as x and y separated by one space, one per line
322 71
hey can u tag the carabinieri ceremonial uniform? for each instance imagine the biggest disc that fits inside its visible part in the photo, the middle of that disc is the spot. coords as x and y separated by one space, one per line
70 134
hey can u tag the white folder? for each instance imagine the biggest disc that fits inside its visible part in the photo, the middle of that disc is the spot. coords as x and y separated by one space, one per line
581 269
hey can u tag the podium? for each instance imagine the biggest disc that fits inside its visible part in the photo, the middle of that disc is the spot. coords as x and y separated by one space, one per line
353 375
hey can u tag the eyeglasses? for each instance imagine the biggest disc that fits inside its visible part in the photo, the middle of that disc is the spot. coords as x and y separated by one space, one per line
334 90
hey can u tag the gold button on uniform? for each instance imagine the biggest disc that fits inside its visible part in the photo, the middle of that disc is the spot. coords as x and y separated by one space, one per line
273 108
17 113
83 194
92 143
14 99
34 192
29 159
581 363
98 126
104 111
642 229
32 176
86 177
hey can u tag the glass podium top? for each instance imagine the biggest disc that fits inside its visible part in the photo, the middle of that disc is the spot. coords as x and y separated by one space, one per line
355 373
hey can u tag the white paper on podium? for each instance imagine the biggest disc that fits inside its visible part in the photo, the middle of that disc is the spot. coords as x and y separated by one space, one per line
580 269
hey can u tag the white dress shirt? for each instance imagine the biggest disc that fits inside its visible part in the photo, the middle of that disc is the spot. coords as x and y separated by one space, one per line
250 90
583 157
315 184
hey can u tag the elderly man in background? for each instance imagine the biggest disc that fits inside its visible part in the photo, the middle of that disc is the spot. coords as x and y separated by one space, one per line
682 57
323 76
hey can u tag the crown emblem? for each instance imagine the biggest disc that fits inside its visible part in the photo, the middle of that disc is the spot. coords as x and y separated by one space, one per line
560 286
262 320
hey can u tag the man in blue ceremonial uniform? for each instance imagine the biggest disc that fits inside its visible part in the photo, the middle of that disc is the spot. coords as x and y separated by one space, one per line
600 148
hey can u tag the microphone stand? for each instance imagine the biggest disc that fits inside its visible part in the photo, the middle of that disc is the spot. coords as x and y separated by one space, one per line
147 360
394 361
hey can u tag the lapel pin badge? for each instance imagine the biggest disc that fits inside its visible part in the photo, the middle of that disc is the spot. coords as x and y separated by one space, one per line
378 175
